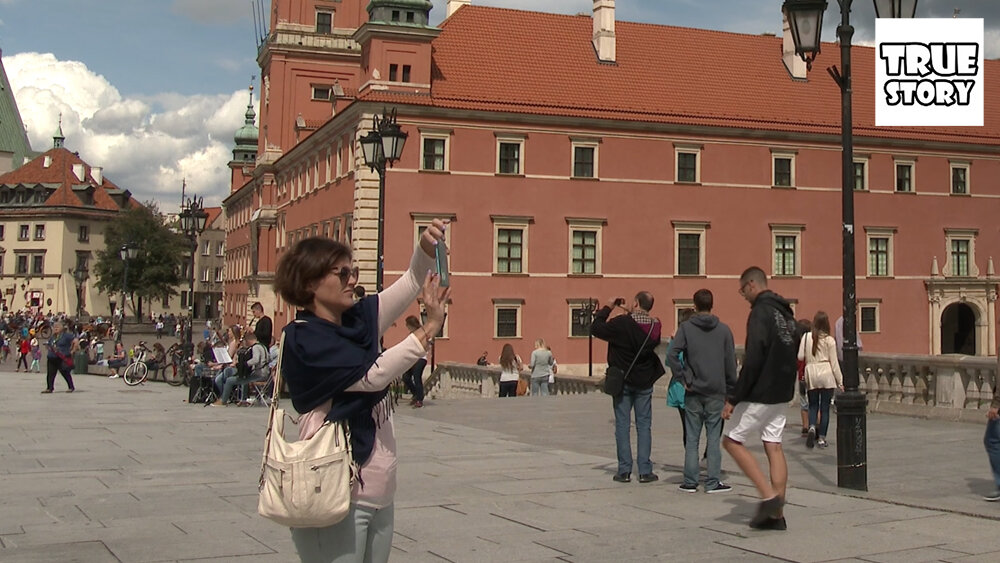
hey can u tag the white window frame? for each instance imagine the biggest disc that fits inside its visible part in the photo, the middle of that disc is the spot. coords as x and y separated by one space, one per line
315 98
517 304
875 304
340 159
332 15
961 234
505 139
690 228
573 304
220 249
586 144
206 274
218 274
781 230
912 163
680 305
863 159
880 232
687 149
594 225
206 248
445 135
967 166
511 222
783 154
425 219
39 233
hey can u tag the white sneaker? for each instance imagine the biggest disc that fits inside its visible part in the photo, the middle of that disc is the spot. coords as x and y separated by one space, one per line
115 376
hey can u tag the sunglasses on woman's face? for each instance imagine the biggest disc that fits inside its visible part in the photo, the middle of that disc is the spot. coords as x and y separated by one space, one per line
345 273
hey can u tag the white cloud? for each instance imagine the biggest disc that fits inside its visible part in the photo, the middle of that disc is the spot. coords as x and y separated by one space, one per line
146 145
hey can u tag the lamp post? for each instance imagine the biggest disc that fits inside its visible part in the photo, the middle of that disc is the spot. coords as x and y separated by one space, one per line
80 276
193 218
805 19
127 252
382 146
585 320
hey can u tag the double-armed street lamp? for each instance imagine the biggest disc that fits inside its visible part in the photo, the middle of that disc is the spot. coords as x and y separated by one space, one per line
381 146
127 252
805 18
80 276
193 218
584 320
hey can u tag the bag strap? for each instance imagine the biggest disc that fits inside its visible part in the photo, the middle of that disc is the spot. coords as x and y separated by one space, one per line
644 340
274 408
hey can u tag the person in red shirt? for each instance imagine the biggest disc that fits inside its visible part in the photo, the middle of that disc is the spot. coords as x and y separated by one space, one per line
24 348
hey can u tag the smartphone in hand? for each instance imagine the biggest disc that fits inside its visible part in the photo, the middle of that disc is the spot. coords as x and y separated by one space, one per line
441 256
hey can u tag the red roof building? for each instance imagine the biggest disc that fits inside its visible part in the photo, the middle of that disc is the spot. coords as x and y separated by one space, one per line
579 157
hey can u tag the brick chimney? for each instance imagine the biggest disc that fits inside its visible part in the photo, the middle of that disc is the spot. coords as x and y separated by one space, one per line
793 63
454 5
604 30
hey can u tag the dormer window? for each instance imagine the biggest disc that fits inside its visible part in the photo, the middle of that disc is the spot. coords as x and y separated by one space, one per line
409 17
395 15
324 22
393 72
406 73
321 92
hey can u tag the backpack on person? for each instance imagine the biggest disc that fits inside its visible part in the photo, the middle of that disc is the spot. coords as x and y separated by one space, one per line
243 357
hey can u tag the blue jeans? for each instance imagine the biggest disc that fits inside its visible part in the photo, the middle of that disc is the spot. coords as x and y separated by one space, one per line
220 379
702 412
819 401
363 536
540 386
641 401
992 442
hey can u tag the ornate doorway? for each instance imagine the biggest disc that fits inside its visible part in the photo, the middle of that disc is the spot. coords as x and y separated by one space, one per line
958 330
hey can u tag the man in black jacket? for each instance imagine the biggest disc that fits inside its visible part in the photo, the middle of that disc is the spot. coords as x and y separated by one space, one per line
760 398
262 325
632 336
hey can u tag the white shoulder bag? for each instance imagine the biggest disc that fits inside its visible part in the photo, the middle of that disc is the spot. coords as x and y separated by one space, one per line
307 483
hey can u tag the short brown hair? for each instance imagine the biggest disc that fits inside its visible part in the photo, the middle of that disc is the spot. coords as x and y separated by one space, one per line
309 260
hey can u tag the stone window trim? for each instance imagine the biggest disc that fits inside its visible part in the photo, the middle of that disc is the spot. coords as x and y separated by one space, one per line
512 222
910 161
443 135
591 224
966 165
886 233
322 28
512 139
516 304
340 159
866 161
39 231
443 333
573 306
691 228
589 143
787 230
423 220
870 303
680 305
954 234
789 154
687 148
321 92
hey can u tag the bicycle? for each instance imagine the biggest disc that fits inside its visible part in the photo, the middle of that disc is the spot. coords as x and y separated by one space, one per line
177 372
135 373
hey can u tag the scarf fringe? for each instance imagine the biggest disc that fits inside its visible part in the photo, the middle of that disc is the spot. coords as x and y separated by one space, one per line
381 413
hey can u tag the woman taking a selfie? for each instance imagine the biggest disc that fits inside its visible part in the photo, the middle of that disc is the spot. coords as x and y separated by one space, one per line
335 372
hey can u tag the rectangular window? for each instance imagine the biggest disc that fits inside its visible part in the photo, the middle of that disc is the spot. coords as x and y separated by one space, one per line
510 158
406 73
393 72
687 167
860 176
584 252
878 256
166 304
206 248
321 92
23 231
959 257
579 324
507 322
410 17
324 22
184 300
583 161
39 232
904 177
395 16
82 261
959 180
433 154
689 254
783 171
2 229
220 249
22 264
38 264
218 274
784 255
84 234
869 318
509 251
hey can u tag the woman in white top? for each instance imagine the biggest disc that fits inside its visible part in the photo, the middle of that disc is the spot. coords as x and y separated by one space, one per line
510 371
822 373
541 369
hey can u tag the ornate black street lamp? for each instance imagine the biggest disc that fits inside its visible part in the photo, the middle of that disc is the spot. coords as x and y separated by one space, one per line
584 319
382 146
80 276
127 252
193 218
805 18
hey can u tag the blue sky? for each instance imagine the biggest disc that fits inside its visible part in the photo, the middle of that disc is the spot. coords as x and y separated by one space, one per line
154 89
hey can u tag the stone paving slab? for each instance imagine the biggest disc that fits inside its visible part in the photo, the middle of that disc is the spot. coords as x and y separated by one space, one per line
117 474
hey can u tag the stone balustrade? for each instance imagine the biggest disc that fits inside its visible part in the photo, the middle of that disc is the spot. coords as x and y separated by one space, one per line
456 381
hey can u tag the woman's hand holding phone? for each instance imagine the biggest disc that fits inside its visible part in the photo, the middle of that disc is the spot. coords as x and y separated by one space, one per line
432 235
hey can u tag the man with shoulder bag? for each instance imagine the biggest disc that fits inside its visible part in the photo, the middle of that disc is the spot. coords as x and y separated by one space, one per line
633 367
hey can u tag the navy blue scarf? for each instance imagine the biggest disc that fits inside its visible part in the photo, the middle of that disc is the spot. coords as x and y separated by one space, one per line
322 359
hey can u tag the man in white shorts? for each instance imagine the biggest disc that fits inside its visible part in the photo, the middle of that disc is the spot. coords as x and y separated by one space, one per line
760 399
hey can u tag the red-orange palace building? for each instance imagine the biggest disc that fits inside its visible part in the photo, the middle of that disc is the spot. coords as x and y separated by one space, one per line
581 157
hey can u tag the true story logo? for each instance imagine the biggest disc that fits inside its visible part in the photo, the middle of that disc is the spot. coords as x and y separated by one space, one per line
929 72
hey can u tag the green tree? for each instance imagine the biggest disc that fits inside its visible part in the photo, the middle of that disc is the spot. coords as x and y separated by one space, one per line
155 271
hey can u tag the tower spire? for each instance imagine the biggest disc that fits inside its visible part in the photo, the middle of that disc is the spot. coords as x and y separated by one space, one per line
59 138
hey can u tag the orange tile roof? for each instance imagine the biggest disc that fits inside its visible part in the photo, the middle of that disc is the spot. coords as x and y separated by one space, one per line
497 59
60 172
213 214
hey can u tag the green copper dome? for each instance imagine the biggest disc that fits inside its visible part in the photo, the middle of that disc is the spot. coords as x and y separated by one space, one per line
246 136
410 13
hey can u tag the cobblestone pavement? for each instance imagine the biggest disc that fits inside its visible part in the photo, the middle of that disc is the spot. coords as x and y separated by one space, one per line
111 473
